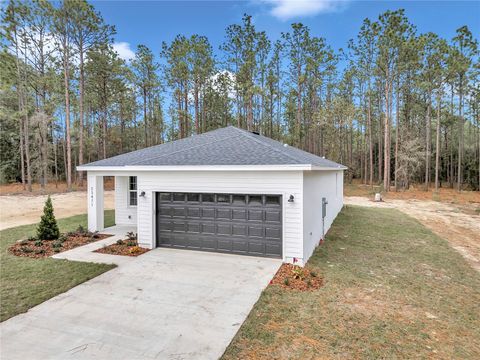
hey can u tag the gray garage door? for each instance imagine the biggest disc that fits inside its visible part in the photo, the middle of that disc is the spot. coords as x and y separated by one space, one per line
232 223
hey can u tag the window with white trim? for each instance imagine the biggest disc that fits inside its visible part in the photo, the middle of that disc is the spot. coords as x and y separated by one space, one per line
132 191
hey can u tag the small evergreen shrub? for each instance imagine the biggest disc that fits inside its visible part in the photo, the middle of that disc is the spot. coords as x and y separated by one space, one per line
48 228
131 243
38 243
119 242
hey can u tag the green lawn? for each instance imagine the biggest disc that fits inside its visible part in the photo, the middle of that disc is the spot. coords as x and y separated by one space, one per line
26 282
393 290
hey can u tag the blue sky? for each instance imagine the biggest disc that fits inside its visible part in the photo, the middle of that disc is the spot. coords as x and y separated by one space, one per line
151 22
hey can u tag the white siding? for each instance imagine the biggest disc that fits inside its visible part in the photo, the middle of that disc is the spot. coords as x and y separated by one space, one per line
124 214
245 182
318 184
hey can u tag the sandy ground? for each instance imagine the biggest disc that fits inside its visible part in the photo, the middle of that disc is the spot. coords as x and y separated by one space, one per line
18 210
459 224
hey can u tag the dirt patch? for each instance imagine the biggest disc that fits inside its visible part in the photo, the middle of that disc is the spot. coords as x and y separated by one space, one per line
16 210
294 277
34 248
459 224
416 192
51 187
123 247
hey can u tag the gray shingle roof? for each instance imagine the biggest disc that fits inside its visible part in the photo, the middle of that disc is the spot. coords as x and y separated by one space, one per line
225 146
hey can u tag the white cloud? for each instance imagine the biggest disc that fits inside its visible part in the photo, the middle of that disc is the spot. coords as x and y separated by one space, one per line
288 9
123 50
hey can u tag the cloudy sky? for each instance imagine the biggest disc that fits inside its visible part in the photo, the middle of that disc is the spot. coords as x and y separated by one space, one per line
151 22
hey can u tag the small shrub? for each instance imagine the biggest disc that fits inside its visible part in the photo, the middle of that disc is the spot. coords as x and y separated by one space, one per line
131 243
135 250
286 282
57 245
32 238
62 238
56 250
38 243
119 242
26 249
48 228
81 230
313 273
40 251
131 235
298 273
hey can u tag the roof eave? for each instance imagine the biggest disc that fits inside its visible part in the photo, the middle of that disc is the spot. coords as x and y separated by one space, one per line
149 168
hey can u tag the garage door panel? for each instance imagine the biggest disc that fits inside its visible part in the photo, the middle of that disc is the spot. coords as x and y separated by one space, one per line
273 216
255 215
224 245
238 223
273 233
224 214
256 247
208 213
238 214
273 249
239 230
256 231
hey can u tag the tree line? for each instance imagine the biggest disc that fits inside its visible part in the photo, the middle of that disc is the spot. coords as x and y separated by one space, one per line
396 106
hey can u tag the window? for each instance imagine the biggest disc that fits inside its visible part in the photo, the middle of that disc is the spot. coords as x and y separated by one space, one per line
239 199
208 198
132 191
254 200
223 198
272 200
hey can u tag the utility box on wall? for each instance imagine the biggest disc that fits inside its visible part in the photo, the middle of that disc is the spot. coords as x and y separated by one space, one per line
324 207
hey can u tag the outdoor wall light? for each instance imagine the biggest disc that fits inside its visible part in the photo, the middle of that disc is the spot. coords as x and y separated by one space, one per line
291 198
142 194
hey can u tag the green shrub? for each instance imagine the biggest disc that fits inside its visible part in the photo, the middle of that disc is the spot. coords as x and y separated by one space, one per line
57 244
286 281
131 235
131 243
38 243
40 251
48 228
313 273
26 249
119 242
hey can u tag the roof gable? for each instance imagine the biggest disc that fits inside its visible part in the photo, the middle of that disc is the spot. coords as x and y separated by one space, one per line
224 146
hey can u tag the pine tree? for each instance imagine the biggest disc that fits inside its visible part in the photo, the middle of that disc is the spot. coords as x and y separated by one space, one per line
48 228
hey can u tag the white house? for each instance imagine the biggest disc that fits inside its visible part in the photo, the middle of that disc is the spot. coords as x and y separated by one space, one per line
227 190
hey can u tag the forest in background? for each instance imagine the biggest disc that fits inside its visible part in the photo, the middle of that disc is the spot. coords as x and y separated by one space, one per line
396 106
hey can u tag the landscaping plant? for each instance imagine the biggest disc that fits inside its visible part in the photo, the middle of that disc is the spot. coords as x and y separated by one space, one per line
48 228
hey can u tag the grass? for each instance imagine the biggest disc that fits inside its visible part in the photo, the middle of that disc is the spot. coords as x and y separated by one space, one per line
26 282
393 290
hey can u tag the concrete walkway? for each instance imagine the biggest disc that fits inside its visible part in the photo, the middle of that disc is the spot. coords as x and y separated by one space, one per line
165 304
86 252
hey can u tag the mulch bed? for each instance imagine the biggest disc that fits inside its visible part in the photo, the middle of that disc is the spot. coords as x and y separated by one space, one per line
32 248
123 247
293 277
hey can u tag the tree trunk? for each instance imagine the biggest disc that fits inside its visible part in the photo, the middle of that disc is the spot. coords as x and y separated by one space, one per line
67 121
397 133
437 144
428 142
81 114
386 144
460 137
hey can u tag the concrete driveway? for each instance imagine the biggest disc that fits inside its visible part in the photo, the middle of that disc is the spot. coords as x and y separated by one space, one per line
166 304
